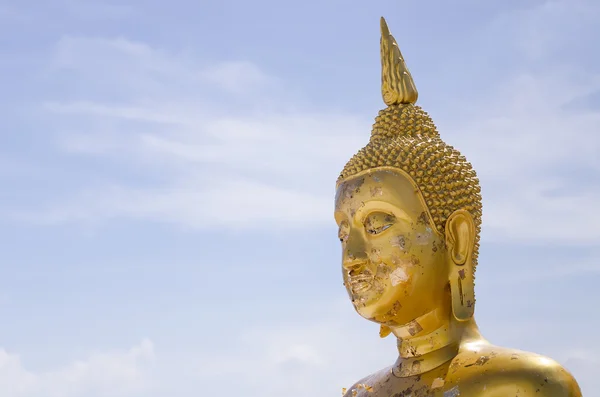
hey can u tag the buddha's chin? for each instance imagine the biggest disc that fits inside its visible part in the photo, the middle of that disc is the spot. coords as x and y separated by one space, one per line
363 302
369 308
376 308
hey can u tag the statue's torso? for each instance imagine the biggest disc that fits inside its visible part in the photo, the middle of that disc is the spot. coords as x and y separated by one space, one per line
489 372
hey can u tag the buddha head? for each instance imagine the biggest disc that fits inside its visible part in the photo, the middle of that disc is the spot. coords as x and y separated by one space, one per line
408 207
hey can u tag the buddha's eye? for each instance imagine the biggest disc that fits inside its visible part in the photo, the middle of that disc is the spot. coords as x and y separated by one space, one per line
343 232
378 222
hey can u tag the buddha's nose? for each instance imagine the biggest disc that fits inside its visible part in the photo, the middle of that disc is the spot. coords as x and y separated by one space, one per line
355 253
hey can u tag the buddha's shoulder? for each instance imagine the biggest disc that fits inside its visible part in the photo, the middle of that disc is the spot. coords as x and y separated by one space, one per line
489 370
366 385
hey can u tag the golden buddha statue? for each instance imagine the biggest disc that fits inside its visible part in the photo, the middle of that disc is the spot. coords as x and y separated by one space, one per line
408 207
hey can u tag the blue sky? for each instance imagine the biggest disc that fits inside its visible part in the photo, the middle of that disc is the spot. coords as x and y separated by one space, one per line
169 170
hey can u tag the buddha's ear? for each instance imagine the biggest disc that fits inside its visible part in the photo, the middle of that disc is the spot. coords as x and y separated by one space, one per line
460 241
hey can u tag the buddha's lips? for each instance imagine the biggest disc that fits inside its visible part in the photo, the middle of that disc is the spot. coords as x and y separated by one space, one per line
361 282
360 287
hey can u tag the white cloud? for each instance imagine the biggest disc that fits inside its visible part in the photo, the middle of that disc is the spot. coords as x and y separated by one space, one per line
317 356
329 347
107 374
274 170
528 271
326 351
236 77
277 167
539 162
197 130
236 204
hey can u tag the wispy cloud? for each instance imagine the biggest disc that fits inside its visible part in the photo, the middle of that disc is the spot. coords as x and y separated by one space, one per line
236 77
524 139
190 122
273 166
319 355
119 373
194 203
539 162
334 348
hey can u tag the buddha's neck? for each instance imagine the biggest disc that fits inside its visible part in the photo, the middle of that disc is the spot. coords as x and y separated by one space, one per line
428 342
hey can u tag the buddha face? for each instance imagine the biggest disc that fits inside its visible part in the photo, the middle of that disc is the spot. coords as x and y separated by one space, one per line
394 263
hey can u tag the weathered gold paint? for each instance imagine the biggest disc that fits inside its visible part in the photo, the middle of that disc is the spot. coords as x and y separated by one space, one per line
409 213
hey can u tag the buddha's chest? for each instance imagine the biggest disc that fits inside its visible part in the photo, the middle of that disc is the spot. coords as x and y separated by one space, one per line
428 386
434 383
386 384
405 388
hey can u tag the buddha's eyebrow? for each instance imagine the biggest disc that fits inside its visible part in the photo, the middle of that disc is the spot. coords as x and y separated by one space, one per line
381 206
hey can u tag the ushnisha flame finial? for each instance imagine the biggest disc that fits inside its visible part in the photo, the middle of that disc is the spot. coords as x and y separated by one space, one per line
397 85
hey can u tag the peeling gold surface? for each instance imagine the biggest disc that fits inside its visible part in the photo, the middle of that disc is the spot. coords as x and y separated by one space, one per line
408 207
